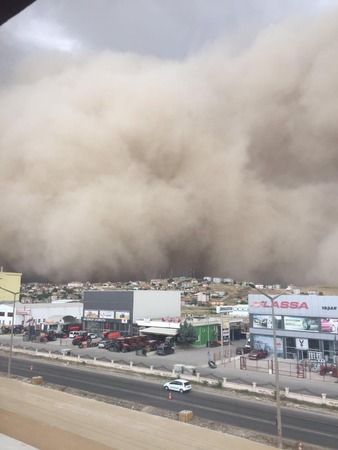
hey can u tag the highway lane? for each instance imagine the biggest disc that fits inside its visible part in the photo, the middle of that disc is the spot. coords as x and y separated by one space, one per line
258 416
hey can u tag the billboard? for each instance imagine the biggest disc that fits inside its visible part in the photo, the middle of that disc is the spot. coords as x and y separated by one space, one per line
329 325
301 324
266 343
107 314
91 314
261 321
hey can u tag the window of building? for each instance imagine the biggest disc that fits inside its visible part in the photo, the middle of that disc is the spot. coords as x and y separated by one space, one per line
314 344
290 344
10 314
2 313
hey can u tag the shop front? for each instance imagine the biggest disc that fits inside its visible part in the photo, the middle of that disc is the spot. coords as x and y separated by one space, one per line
306 326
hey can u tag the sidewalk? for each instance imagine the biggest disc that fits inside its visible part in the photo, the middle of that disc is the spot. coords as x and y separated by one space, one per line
52 420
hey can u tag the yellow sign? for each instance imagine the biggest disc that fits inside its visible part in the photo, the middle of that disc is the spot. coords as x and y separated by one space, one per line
12 282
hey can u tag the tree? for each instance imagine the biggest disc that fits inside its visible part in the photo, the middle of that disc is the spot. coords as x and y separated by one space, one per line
187 334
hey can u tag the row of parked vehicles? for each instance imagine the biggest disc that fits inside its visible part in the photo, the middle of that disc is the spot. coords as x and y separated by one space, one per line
114 342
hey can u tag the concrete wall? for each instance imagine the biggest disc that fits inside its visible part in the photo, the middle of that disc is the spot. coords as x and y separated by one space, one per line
156 304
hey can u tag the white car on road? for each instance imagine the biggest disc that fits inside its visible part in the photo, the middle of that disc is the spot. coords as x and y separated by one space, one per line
178 385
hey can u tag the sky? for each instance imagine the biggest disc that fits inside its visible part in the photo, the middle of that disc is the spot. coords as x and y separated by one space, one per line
160 138
171 29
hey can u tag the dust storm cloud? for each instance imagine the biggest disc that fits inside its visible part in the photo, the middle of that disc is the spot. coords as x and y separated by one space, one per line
126 166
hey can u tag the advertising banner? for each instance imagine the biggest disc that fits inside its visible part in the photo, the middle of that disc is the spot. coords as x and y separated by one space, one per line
106 314
91 314
122 315
266 343
301 324
329 325
260 321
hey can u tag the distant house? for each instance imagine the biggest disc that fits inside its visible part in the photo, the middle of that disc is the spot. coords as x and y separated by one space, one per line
217 280
203 297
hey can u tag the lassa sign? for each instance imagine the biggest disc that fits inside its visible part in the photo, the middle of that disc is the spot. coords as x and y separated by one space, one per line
284 304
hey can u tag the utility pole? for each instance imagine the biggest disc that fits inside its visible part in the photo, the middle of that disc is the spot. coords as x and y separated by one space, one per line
276 368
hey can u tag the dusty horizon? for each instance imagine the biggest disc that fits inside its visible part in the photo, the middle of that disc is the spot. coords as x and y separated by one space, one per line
125 166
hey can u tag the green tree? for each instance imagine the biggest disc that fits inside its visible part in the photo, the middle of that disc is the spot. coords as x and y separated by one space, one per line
187 334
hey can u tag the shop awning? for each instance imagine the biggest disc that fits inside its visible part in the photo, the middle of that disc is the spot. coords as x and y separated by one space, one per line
158 330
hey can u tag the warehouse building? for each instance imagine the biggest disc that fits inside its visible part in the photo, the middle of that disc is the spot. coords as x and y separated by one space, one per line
120 310
42 315
306 325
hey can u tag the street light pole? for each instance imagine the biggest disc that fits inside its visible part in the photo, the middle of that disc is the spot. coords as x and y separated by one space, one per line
229 343
275 358
9 367
222 343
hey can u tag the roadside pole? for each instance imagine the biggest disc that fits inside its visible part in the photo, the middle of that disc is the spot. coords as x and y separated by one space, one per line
222 343
229 341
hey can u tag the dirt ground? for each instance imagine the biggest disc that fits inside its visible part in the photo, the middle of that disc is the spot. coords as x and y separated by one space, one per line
53 420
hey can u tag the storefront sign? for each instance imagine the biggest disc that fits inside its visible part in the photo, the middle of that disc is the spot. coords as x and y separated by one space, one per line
122 315
281 305
302 344
107 314
91 314
325 306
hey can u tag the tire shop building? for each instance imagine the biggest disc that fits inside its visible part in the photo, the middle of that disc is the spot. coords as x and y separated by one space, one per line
120 310
306 326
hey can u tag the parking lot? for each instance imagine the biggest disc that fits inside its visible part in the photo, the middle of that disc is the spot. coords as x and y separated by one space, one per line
191 356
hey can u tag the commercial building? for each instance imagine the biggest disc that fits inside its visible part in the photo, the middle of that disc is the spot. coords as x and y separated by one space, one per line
9 282
207 329
234 310
306 325
41 314
120 310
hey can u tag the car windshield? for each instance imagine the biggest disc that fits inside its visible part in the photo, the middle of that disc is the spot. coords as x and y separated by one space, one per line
186 384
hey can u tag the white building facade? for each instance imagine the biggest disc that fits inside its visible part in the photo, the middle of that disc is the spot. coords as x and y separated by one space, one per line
40 313
306 325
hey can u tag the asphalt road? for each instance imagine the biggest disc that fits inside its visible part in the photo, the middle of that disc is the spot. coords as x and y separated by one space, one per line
259 416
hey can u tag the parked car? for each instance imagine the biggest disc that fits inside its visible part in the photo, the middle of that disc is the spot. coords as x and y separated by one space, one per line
105 344
163 349
93 335
242 350
74 334
178 386
258 354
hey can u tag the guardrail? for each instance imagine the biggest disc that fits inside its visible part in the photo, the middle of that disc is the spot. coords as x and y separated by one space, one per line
168 373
